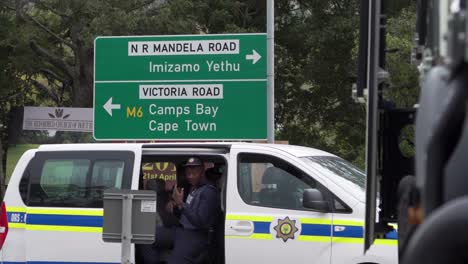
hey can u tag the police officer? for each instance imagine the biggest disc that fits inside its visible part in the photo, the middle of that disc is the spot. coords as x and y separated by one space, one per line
199 214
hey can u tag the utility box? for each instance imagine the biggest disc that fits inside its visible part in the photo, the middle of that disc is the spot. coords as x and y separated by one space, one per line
129 217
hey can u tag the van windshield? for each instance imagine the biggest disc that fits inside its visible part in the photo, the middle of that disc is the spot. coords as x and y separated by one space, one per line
348 174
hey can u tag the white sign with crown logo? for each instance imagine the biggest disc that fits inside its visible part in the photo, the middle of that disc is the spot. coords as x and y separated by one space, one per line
58 118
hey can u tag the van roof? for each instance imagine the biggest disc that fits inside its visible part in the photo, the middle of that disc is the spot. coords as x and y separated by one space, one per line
298 151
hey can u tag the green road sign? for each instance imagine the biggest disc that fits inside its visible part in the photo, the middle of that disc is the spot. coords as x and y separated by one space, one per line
190 87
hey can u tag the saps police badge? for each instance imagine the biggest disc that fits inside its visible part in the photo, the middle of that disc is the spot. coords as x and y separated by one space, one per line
286 229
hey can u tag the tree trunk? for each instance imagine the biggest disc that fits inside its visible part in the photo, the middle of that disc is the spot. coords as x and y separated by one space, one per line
83 71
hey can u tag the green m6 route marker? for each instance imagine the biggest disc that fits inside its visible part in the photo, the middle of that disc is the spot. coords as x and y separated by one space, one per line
181 87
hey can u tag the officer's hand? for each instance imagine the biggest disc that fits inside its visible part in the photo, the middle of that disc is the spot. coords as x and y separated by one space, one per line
170 207
178 196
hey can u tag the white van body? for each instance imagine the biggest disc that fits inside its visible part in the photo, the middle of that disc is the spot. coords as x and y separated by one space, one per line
44 230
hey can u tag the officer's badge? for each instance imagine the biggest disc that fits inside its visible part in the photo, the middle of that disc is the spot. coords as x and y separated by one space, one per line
286 229
189 198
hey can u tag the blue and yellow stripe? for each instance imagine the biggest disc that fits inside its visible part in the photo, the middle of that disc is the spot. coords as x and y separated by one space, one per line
76 220
66 220
315 230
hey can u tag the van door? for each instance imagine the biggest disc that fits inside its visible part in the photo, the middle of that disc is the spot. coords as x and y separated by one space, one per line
266 221
64 212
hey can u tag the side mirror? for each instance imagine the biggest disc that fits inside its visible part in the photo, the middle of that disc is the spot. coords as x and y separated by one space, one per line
313 199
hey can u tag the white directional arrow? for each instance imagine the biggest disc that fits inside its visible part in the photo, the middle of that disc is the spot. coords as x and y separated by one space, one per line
108 106
254 57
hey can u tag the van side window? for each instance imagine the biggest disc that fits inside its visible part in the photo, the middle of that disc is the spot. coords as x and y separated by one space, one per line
107 174
271 182
340 207
77 181
62 180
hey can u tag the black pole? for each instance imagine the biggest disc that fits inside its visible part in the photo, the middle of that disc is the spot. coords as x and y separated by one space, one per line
362 77
383 32
372 123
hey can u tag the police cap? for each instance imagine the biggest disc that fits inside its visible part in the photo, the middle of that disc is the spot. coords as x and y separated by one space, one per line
193 162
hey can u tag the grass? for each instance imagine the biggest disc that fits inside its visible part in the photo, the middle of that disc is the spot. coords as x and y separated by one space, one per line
13 155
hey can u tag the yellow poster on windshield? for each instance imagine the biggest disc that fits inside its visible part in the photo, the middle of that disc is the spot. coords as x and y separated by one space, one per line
165 171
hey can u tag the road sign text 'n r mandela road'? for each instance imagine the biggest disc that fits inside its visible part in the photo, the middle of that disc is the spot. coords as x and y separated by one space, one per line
188 87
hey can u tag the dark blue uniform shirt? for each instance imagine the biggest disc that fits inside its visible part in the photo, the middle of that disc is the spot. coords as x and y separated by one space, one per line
199 214
201 209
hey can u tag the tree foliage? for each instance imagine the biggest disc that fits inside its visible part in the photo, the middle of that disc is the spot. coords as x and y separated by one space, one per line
46 55
315 72
404 76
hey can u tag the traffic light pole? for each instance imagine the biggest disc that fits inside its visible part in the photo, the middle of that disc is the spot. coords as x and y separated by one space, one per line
372 121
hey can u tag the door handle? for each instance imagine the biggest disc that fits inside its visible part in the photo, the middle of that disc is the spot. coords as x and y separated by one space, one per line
339 228
243 226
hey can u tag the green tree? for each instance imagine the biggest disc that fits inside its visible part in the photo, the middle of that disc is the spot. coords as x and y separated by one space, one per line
404 91
58 36
315 70
50 55
11 86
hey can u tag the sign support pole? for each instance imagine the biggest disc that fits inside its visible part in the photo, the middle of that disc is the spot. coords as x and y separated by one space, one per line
126 228
271 71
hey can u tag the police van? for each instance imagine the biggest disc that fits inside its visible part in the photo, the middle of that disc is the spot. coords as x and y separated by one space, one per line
280 203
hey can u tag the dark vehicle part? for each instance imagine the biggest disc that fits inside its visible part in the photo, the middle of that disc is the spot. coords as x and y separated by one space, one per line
385 162
444 139
443 237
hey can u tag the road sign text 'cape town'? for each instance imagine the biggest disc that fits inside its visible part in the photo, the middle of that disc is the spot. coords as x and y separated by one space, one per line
188 87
